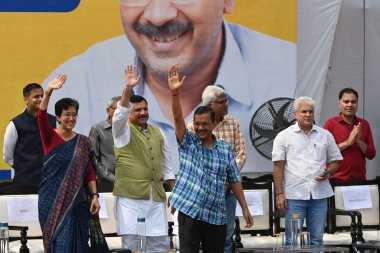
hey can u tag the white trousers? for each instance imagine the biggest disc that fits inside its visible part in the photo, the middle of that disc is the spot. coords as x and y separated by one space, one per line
153 243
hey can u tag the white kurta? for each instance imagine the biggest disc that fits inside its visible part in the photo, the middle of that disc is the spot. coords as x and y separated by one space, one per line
127 210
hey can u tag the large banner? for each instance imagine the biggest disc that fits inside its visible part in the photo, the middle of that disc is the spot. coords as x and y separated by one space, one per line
92 41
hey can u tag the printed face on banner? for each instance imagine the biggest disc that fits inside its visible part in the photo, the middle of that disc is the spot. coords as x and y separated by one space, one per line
188 33
251 53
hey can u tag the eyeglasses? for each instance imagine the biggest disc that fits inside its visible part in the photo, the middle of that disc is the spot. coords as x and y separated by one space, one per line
221 102
68 115
203 124
140 3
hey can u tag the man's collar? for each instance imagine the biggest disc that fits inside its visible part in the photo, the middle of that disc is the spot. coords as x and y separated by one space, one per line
141 129
200 142
296 128
29 114
341 119
107 124
231 66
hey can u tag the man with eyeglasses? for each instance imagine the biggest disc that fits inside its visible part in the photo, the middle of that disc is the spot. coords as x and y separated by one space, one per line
353 136
102 143
226 128
194 35
206 163
22 142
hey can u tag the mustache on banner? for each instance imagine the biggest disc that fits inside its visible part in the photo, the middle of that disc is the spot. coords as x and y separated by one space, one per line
177 28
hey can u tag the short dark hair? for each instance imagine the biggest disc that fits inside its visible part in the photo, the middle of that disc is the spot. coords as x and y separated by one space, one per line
349 91
137 99
64 104
204 109
29 87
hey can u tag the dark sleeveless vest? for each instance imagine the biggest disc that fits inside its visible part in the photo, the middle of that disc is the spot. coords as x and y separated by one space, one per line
28 154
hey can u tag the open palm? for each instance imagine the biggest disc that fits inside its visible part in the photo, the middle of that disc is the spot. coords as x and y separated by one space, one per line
58 82
173 78
131 78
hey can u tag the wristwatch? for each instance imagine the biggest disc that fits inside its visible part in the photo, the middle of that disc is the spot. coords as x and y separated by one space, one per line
95 194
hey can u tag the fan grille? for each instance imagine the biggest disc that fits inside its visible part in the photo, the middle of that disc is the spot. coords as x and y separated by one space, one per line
271 118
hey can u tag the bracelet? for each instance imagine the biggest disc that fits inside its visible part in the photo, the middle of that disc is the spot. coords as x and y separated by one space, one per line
95 194
175 94
279 193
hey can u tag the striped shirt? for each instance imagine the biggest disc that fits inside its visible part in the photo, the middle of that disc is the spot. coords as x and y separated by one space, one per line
229 130
199 191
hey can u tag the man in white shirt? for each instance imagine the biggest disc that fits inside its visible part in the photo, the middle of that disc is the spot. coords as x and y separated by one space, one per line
251 66
22 142
143 162
300 154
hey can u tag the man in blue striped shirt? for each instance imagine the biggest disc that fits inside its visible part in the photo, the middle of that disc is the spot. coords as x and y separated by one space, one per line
199 192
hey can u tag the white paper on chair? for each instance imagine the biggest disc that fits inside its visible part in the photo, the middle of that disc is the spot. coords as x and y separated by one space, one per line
23 209
103 207
254 202
357 197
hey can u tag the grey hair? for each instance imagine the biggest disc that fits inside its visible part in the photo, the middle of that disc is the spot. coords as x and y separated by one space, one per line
112 101
303 100
211 93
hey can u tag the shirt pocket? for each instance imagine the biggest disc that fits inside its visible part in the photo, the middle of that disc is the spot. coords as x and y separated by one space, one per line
320 152
295 150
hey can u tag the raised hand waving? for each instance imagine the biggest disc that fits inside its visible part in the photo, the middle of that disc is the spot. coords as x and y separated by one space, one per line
173 78
57 82
131 78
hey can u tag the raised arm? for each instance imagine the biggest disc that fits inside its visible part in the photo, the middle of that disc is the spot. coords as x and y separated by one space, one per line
55 84
174 84
131 80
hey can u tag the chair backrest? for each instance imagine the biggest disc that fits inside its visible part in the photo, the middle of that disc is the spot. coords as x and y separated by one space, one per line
263 224
370 216
19 192
108 224
33 224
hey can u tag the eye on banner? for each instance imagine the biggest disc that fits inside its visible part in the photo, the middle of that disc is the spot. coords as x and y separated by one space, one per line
39 36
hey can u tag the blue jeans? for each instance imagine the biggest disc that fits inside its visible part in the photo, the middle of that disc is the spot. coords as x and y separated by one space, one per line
231 210
315 212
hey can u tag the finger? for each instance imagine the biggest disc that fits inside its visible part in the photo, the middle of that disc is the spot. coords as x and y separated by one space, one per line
64 80
170 72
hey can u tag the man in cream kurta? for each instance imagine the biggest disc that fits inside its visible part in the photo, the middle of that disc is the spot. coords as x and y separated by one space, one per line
143 162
